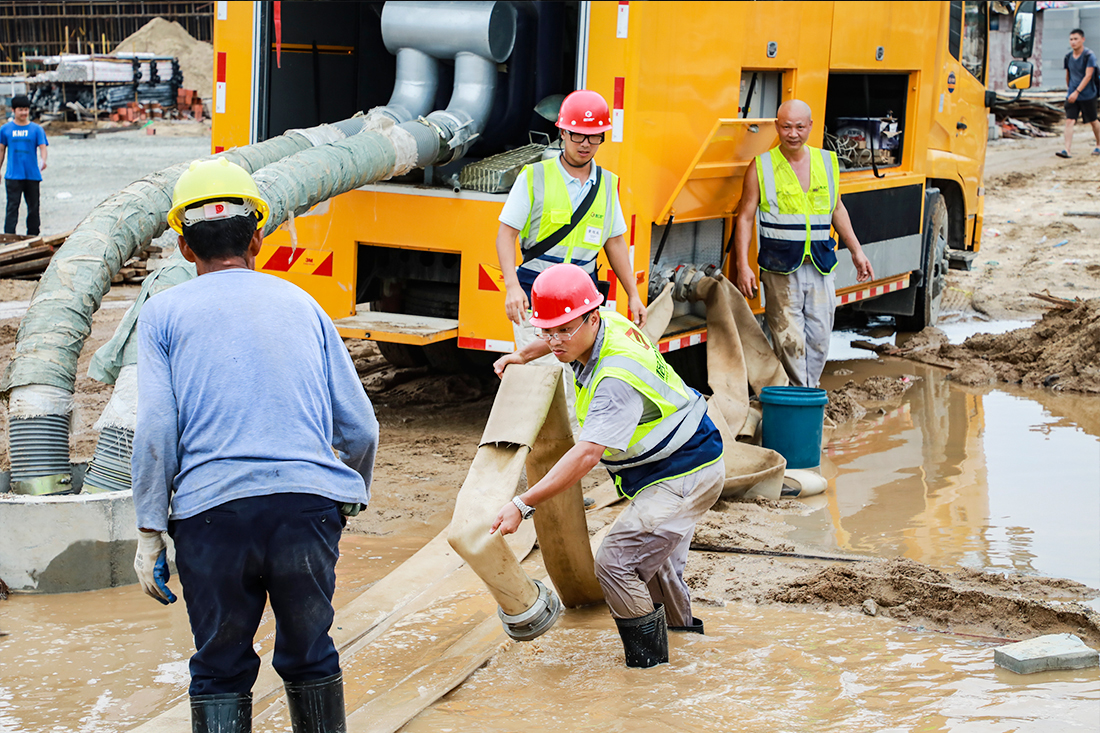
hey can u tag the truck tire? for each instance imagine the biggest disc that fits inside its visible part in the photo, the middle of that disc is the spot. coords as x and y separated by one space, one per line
929 295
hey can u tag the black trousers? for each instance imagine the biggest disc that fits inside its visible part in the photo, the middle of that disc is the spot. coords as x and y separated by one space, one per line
28 190
231 560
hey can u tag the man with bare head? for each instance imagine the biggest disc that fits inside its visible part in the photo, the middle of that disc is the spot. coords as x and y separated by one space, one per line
1081 90
793 192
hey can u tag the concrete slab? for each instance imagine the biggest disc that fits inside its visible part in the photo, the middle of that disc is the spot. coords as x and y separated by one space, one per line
1046 653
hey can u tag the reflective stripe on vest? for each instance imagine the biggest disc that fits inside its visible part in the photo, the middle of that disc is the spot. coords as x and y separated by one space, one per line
629 355
792 224
551 209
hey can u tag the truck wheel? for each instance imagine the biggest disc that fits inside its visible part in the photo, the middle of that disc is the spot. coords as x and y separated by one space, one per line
934 244
402 355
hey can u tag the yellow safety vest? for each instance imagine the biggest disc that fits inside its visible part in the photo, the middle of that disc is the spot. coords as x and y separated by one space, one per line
627 354
792 224
551 209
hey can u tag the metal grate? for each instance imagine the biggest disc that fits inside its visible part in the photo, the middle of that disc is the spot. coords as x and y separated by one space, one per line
497 173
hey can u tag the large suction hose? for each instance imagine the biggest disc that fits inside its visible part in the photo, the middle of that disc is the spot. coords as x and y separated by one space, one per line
40 378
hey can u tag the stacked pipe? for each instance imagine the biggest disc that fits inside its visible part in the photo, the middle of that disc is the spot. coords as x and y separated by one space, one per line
294 172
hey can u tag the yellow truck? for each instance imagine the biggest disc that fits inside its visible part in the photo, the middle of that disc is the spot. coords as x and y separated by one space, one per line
898 90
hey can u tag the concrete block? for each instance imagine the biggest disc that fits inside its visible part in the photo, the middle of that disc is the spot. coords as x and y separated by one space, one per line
61 544
1046 653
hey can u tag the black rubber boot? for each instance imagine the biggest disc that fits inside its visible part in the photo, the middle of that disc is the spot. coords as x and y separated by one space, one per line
230 712
317 706
695 628
645 639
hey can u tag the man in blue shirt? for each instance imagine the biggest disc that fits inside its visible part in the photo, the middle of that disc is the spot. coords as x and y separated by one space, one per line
1081 90
23 143
254 437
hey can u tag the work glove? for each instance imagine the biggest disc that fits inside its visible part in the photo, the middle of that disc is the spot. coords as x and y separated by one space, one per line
151 565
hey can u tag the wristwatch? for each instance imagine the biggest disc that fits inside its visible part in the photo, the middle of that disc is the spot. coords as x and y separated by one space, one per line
525 511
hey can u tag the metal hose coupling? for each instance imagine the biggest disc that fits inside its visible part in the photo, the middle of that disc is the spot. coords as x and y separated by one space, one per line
536 620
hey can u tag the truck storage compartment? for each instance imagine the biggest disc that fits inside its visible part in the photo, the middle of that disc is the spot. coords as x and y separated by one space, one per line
865 119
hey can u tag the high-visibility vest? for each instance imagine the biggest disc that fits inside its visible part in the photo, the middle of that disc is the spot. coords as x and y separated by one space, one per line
792 224
627 354
551 209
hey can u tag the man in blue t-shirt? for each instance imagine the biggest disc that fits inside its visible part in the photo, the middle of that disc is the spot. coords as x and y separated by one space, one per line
1081 90
27 144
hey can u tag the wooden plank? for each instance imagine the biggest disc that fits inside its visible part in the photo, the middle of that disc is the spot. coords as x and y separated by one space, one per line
19 244
23 268
28 253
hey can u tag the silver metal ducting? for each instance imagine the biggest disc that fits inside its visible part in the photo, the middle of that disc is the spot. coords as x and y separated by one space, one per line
414 88
445 29
478 36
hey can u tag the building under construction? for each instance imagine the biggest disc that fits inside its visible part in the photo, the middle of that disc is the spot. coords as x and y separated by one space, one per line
34 28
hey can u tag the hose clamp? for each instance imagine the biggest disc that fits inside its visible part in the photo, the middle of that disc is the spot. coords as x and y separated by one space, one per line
536 620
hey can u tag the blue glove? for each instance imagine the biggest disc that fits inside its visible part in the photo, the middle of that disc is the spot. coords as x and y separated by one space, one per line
151 566
161 574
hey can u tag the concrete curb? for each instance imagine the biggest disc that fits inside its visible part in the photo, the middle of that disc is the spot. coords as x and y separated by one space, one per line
67 543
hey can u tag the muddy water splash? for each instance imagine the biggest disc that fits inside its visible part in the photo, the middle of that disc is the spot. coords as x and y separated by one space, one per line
762 669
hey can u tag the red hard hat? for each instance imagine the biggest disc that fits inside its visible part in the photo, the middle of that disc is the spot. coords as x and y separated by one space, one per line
584 112
562 293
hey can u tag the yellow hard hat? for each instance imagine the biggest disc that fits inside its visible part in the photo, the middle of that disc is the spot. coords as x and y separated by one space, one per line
215 180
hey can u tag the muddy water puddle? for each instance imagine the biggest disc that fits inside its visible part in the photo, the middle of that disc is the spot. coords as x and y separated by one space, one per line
780 670
104 661
992 478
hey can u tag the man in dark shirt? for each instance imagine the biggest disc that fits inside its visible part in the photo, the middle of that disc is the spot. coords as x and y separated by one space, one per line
1081 90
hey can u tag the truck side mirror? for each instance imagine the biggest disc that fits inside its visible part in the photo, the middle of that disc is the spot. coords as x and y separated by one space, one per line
1019 74
1023 31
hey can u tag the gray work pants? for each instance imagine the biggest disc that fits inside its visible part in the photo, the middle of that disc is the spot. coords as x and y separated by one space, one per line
641 561
799 309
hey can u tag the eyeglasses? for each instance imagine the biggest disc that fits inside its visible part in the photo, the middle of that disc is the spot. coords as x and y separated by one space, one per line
592 139
561 337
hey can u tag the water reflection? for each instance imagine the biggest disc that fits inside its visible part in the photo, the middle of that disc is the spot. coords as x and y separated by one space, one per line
993 479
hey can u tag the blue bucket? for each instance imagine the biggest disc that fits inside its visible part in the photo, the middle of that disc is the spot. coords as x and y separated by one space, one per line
792 423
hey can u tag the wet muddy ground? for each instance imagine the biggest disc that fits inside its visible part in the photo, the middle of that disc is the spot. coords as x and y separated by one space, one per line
973 510
991 490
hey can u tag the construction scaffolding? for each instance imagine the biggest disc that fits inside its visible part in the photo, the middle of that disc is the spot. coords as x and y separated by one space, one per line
53 28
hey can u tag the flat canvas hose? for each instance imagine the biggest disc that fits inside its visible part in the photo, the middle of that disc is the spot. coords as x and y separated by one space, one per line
528 425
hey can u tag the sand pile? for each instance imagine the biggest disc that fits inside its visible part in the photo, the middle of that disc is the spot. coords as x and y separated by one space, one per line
1061 351
169 38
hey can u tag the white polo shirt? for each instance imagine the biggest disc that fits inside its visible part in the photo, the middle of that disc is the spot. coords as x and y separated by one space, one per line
517 208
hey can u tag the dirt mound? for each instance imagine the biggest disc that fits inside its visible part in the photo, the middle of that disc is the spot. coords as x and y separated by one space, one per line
965 601
1060 351
169 38
852 401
